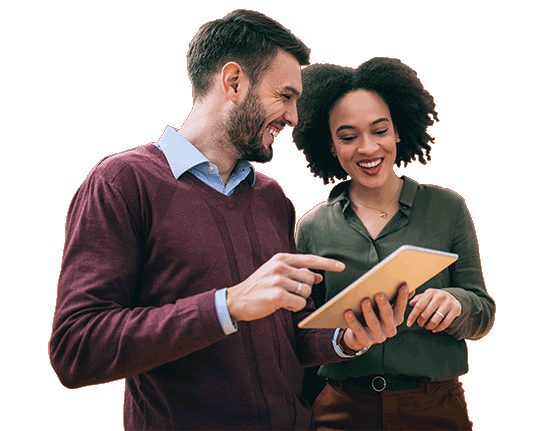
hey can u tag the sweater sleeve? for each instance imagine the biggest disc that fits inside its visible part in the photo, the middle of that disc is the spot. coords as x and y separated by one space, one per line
478 308
99 334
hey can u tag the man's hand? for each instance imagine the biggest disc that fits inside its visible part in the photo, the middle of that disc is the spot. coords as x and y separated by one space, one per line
379 326
434 310
284 281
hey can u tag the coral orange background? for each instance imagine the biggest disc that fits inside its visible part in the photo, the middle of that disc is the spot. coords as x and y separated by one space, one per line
83 80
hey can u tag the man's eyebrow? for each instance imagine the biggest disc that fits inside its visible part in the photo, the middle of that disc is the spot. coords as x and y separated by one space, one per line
346 126
292 90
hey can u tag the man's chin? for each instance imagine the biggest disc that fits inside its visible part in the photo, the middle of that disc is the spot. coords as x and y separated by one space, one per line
262 157
258 153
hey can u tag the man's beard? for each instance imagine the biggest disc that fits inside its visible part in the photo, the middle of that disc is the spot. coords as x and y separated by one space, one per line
245 130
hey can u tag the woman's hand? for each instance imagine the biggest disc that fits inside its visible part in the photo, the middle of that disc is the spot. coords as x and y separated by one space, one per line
378 327
434 310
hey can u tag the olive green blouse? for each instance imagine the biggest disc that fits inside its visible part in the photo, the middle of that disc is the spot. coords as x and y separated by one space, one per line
428 216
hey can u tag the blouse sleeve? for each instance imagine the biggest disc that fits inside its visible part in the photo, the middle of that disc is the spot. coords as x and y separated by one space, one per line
478 308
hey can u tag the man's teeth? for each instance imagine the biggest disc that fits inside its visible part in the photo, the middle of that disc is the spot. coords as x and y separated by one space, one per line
370 165
273 132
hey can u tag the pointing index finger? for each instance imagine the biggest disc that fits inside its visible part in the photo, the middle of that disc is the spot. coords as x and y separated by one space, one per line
311 261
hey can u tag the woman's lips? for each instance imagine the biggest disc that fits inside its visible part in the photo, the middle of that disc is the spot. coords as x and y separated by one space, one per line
371 167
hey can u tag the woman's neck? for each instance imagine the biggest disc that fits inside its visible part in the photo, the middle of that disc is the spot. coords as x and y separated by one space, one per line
376 197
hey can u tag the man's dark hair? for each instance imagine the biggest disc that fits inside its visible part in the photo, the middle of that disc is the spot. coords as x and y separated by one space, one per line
412 110
246 37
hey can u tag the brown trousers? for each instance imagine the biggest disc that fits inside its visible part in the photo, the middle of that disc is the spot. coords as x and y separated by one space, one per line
434 406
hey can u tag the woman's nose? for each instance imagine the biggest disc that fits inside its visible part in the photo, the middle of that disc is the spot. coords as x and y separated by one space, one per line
367 144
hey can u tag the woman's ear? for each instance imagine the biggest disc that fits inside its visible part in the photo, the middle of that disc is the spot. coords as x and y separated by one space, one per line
333 148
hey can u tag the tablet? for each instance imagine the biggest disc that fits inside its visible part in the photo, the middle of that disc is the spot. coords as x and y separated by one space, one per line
408 264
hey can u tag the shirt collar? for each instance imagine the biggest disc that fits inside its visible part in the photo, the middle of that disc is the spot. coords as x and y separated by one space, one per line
407 195
183 156
340 193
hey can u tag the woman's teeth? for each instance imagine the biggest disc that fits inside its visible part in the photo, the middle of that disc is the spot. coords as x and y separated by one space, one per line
370 165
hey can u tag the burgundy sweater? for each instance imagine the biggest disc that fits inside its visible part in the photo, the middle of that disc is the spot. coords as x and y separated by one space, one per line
144 255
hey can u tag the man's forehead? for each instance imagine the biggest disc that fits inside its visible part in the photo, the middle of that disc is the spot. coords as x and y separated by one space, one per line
285 73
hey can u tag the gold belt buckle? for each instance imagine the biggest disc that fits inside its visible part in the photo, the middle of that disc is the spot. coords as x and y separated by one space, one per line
381 382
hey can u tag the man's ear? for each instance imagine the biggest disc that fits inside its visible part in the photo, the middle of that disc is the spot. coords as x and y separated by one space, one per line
234 81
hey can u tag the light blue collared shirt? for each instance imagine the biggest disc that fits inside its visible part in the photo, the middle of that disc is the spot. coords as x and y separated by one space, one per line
184 157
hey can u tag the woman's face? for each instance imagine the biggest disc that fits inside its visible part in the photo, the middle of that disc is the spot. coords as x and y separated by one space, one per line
364 138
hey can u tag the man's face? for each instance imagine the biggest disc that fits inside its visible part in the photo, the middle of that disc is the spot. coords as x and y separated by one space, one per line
267 108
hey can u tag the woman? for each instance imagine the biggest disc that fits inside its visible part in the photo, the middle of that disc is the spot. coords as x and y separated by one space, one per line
358 124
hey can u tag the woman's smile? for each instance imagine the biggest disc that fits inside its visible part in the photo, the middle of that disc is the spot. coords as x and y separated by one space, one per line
371 167
364 139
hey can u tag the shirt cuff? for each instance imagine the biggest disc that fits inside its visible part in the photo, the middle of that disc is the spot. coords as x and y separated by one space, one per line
228 326
337 348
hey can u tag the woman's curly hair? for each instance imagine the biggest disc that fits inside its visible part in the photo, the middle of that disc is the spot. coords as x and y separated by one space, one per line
412 110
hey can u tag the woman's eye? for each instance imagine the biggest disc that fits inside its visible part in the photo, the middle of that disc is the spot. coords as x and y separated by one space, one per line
347 138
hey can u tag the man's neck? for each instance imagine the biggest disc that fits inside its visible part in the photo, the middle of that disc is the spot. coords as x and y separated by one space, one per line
205 131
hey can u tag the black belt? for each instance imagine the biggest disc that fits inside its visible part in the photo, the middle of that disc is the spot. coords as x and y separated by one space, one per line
381 383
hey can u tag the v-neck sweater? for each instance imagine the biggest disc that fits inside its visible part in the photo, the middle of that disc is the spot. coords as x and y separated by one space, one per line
143 257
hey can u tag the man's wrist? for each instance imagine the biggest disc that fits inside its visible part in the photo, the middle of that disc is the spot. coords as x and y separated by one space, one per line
227 323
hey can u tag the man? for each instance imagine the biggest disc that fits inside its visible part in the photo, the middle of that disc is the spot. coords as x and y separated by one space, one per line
179 272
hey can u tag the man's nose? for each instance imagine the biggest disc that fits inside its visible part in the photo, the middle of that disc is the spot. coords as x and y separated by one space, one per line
291 115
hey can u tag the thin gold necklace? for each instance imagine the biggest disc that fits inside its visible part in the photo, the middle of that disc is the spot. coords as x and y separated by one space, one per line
383 213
